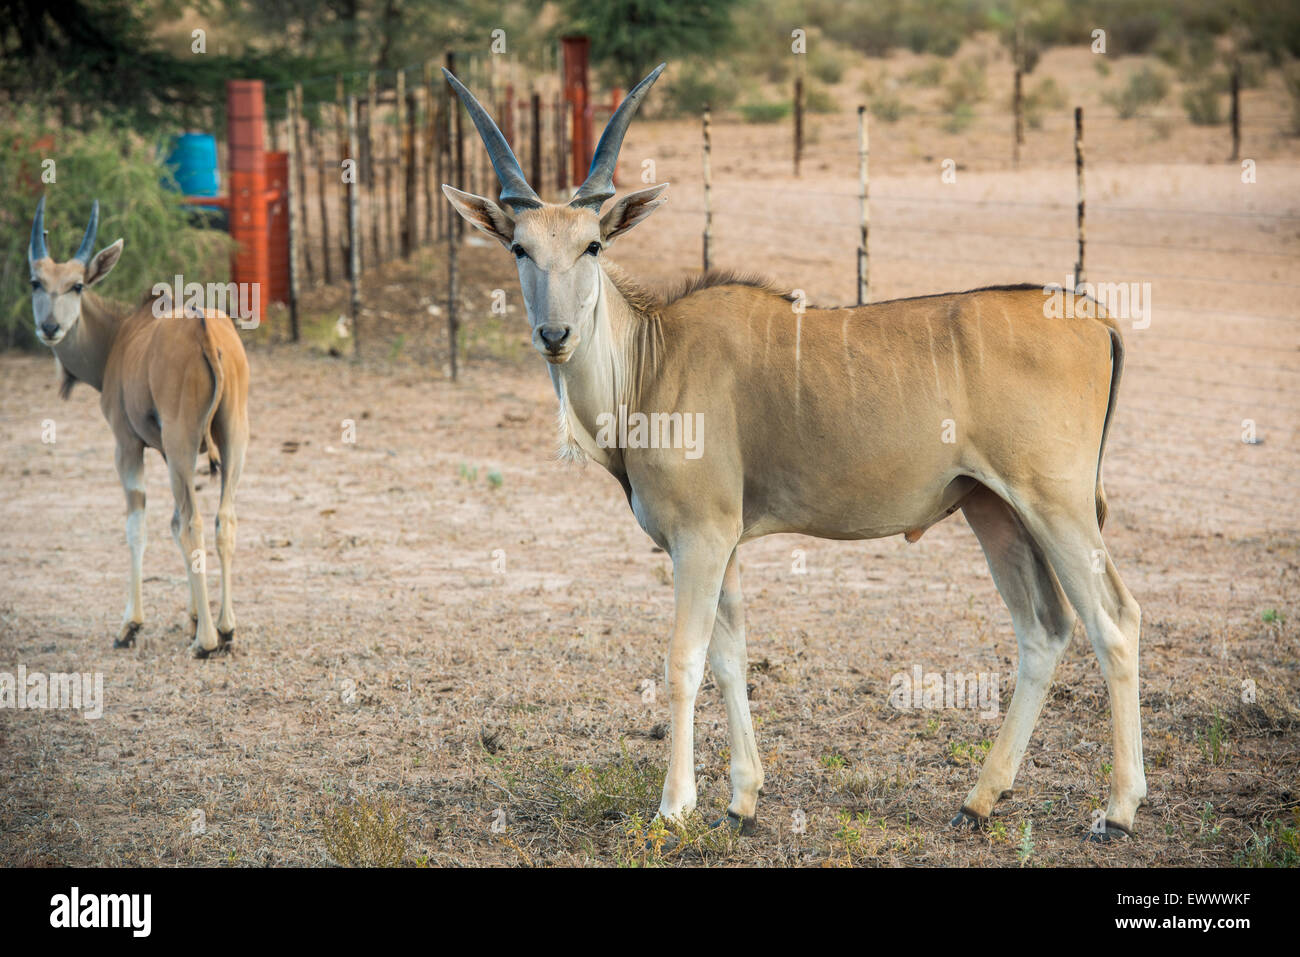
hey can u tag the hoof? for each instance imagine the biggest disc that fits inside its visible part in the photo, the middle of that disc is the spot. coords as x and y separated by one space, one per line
967 819
200 652
1111 832
225 640
743 826
127 638
671 841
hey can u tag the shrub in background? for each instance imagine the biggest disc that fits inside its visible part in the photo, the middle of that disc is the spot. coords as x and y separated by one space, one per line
1291 76
888 107
1146 87
762 111
694 87
818 99
1046 97
1202 102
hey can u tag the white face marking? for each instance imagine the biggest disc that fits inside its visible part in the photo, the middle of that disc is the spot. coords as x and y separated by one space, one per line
560 278
56 299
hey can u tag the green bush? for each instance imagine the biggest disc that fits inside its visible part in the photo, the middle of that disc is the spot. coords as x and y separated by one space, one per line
778 69
1146 87
1198 56
931 32
968 87
888 107
825 65
819 100
959 118
694 87
926 76
879 26
1291 76
760 111
1135 33
128 178
1202 103
1043 98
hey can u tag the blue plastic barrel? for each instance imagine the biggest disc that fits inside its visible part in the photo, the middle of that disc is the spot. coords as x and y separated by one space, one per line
193 156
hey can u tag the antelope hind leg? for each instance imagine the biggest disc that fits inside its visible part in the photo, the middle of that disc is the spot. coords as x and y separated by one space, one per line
232 463
187 526
1043 621
727 658
1112 618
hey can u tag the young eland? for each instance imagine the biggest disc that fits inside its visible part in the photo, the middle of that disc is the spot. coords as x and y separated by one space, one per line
167 380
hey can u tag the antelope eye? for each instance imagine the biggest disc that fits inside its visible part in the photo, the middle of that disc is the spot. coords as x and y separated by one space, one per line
36 284
519 251
77 288
593 249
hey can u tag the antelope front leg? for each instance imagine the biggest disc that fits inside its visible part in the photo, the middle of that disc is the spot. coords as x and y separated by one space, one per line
727 658
130 468
698 568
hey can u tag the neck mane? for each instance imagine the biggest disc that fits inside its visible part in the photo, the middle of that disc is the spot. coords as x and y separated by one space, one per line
625 354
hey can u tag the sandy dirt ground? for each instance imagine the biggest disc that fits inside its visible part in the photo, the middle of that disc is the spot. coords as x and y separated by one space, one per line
445 635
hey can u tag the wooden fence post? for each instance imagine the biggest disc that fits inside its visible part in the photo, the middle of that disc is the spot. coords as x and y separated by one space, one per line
410 226
457 223
400 159
1236 110
708 190
354 232
444 152
372 207
536 157
291 202
561 152
430 128
453 289
798 123
341 145
302 183
864 275
1078 172
322 176
1017 55
390 225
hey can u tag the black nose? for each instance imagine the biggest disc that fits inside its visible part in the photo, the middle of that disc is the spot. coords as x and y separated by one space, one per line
554 336
50 328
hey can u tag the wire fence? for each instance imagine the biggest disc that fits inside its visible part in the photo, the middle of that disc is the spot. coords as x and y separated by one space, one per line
1206 429
1209 405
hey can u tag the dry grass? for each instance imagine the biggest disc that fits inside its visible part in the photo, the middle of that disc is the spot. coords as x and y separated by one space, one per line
365 833
396 698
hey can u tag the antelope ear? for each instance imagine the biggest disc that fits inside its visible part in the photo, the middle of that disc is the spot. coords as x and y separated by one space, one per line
103 263
630 210
482 213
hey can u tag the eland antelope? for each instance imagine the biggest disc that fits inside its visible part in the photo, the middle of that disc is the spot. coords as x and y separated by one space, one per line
167 380
850 423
